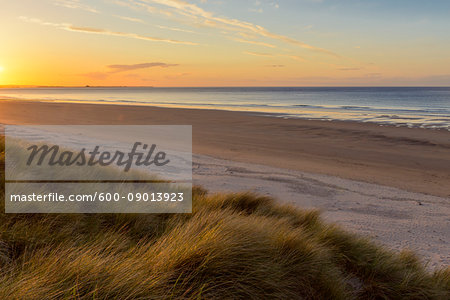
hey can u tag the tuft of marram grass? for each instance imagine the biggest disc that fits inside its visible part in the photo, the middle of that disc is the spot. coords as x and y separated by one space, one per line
233 246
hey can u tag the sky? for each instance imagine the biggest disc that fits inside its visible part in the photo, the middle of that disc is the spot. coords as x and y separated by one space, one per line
225 42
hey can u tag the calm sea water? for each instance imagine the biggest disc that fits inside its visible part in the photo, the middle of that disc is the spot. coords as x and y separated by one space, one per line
427 107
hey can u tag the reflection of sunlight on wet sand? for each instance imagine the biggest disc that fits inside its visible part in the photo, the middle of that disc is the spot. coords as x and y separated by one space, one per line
326 112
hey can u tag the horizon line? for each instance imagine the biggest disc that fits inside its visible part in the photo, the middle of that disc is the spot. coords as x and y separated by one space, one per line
18 86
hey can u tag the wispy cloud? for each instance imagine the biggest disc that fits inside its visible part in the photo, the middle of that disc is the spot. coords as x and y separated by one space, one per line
123 3
175 29
135 20
75 4
92 30
177 75
124 68
294 57
129 35
118 68
257 10
275 66
135 5
207 18
247 36
41 22
254 42
258 53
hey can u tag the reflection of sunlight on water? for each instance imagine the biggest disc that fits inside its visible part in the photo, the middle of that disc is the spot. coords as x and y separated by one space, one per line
379 106
327 113
394 119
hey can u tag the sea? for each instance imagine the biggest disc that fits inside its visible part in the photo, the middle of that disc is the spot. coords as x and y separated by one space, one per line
426 107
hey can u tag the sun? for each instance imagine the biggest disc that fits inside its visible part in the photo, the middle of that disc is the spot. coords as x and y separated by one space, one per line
1 69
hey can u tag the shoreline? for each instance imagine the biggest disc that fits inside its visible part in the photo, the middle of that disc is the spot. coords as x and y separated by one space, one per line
284 115
412 159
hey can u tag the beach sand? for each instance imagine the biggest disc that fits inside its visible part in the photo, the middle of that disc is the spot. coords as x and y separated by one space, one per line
382 181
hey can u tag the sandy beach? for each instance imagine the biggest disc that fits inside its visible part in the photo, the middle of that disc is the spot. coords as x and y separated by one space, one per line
390 183
412 159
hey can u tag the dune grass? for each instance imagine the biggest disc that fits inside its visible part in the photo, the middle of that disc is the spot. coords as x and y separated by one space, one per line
232 246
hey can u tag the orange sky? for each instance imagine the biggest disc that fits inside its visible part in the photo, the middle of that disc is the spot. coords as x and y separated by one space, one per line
223 43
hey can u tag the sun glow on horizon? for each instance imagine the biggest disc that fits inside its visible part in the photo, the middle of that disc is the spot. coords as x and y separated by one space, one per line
205 43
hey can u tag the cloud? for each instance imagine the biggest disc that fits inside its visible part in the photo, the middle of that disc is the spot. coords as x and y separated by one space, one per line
297 43
135 20
75 4
124 34
139 5
199 15
247 36
257 10
123 4
177 76
175 29
294 57
254 42
70 27
113 69
86 29
258 54
124 68
39 21
275 66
